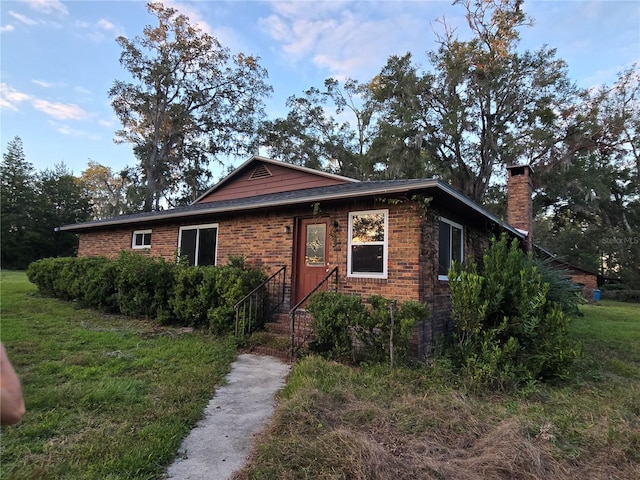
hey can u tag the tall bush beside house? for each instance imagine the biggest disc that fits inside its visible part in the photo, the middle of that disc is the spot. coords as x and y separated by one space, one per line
388 327
562 289
508 332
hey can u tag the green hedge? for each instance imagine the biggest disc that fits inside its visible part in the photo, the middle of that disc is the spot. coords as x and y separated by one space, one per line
137 285
632 296
346 328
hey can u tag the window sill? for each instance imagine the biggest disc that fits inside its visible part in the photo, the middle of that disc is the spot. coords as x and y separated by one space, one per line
361 279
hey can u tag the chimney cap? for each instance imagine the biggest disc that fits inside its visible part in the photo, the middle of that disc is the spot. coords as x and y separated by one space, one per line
519 169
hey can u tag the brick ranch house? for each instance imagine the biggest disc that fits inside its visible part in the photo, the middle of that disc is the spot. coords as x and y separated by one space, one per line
395 238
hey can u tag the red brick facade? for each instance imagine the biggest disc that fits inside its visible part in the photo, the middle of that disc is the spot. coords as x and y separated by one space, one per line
265 234
266 240
519 201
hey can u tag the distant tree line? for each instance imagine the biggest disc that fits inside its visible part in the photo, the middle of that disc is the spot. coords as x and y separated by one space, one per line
32 204
477 106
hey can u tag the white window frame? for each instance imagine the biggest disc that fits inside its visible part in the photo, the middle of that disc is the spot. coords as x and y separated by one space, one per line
143 233
198 228
384 243
461 228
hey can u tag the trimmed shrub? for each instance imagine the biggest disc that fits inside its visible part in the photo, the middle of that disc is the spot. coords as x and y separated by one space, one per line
632 296
100 284
143 285
229 285
187 303
347 328
44 272
138 285
335 315
88 280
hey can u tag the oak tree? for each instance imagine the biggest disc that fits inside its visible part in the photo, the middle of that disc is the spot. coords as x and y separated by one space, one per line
189 101
480 106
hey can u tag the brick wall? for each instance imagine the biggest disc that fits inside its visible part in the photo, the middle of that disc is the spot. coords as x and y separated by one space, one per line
435 292
108 243
266 240
588 281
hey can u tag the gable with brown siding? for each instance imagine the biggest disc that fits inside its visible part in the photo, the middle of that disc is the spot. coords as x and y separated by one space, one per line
261 176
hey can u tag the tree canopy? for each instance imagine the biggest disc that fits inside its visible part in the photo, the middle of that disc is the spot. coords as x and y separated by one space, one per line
32 204
112 193
481 104
190 101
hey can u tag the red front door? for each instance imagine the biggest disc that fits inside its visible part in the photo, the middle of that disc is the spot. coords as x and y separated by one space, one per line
311 255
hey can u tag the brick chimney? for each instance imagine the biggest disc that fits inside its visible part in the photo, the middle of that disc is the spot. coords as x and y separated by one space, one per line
519 200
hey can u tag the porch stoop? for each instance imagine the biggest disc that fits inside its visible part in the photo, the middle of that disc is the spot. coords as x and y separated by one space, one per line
278 335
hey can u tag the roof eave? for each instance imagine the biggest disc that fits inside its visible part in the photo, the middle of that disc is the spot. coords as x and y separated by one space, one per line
430 183
213 210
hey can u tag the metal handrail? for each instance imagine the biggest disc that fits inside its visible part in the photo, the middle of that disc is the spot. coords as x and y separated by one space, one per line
256 302
293 311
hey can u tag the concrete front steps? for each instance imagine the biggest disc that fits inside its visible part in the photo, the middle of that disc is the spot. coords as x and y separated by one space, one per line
276 339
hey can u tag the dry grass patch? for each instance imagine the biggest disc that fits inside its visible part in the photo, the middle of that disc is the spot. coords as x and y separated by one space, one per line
337 422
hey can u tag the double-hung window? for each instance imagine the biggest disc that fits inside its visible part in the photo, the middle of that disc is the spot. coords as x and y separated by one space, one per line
450 246
368 242
141 239
198 244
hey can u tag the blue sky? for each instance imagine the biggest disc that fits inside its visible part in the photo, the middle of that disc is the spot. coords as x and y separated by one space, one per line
59 58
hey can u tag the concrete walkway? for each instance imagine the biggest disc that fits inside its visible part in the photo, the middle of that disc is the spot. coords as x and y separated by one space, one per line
220 442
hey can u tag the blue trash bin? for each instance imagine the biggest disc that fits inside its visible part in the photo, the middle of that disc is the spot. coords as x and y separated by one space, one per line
596 295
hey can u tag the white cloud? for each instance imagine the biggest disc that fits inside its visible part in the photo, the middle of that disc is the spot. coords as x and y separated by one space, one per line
61 111
106 25
73 132
42 83
7 28
11 98
349 39
48 6
276 26
106 123
99 31
22 18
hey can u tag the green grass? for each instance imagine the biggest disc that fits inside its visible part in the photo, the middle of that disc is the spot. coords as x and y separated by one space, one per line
111 397
338 422
107 397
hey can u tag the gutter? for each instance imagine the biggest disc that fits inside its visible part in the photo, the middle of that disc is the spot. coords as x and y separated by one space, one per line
173 214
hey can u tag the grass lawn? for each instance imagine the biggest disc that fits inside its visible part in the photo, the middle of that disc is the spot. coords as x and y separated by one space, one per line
107 397
338 422
112 397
